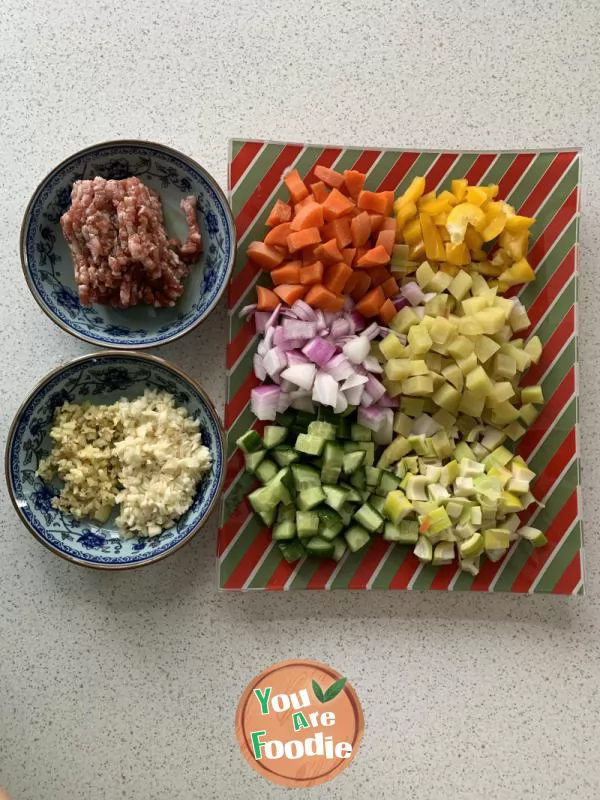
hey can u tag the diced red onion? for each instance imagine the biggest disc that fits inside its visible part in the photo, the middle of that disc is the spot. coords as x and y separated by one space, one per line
303 311
260 320
357 349
274 317
319 351
372 365
325 389
375 388
296 357
366 400
247 310
303 403
299 329
372 332
413 293
339 367
354 395
259 367
385 401
354 380
274 361
321 324
399 302
358 320
264 401
340 327
372 418
283 403
341 403
301 375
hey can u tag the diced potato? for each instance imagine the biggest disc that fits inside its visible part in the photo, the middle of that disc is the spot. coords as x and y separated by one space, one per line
470 326
528 413
490 320
461 347
514 431
402 423
442 330
518 318
440 282
460 285
504 414
505 366
500 393
419 339
468 363
425 274
454 376
532 394
404 319
396 369
447 397
418 367
393 388
471 305
434 362
478 381
485 348
413 406
534 349
419 386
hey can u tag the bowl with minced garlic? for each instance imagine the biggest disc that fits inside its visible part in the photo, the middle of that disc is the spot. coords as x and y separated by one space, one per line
115 460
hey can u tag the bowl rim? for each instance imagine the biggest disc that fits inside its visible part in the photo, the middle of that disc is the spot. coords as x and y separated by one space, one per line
151 359
25 266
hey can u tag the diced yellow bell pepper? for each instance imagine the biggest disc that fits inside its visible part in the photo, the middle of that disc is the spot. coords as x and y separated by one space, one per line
473 239
462 215
448 196
479 255
405 211
425 198
520 272
515 243
434 247
457 254
439 219
476 195
416 251
494 226
412 231
459 188
415 190
502 259
443 232
519 223
450 269
486 268
433 207
491 190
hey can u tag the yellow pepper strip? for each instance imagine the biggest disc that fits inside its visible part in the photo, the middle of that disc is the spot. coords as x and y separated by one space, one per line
434 247
501 259
486 268
491 190
479 255
515 243
450 269
476 195
415 190
412 231
446 195
457 254
459 189
416 252
462 215
433 207
440 219
473 239
443 231
405 211
494 226
519 223
520 272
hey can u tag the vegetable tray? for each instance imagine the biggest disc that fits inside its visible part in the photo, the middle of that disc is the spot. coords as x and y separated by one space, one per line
543 184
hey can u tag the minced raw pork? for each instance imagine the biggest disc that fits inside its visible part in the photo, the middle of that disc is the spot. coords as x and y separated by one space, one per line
122 256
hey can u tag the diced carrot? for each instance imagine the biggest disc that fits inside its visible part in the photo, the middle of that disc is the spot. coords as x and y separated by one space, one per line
320 296
309 216
302 203
312 274
308 255
359 253
287 273
267 299
363 282
371 303
329 176
387 312
376 222
319 191
348 255
336 276
390 287
352 282
387 239
281 212
388 224
289 292
379 275
278 235
379 202
360 229
375 257
354 181
265 256
299 239
336 205
338 229
329 252
295 186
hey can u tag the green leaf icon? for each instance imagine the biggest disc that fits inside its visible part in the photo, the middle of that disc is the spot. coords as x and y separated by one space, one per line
334 690
318 692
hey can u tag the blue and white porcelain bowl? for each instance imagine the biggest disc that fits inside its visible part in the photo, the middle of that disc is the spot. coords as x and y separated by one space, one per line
48 265
103 378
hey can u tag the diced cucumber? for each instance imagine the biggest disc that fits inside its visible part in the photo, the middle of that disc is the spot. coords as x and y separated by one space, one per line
305 477
335 496
274 435
358 479
373 475
263 499
330 523
342 430
406 532
333 459
368 518
284 455
346 512
353 495
286 513
356 538
387 483
292 551
266 470
369 448
310 445
286 418
282 486
250 441
360 433
322 430
310 498
377 503
352 461
284 530
303 419
252 460
268 517
319 547
307 524
339 548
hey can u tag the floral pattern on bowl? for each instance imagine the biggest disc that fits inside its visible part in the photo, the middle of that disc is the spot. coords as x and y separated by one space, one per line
104 378
48 266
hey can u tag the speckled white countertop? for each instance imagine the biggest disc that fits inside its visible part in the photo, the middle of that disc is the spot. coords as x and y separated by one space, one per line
125 685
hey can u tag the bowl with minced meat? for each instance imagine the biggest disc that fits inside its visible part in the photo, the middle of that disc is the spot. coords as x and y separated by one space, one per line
128 244
115 460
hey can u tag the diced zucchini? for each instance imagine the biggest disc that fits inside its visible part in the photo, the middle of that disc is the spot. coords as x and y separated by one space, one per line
284 530
358 479
373 476
377 503
353 495
286 418
346 512
263 499
274 435
268 516
356 538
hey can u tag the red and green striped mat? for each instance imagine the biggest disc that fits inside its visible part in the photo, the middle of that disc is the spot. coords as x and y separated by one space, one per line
544 184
